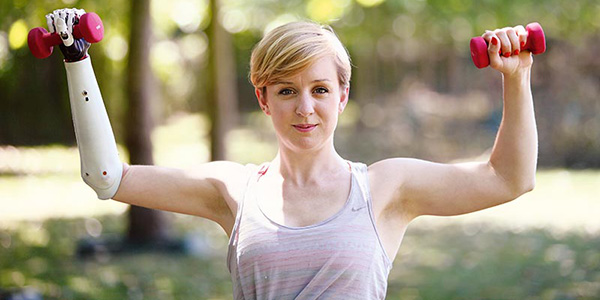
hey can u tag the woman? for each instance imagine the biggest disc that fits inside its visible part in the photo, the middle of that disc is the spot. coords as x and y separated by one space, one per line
310 224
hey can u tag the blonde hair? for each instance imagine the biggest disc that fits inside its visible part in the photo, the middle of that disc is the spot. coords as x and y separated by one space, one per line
291 48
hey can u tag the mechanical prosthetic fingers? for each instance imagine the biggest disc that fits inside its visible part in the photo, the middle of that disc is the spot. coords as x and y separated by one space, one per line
74 45
61 21
101 167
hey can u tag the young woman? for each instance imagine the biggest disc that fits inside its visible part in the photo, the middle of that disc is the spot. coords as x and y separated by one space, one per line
310 224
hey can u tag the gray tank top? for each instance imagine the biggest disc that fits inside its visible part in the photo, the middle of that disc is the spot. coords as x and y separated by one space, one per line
341 257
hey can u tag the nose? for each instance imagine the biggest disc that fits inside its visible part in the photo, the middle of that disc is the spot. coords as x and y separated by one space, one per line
304 106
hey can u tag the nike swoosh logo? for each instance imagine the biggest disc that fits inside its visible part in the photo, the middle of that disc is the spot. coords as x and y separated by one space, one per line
359 208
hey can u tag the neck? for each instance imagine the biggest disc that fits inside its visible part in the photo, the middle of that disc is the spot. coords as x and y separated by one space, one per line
309 166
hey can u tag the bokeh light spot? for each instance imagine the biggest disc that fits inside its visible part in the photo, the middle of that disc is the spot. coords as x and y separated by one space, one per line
369 3
17 34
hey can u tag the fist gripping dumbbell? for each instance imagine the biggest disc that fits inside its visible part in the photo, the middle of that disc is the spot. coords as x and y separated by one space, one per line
536 44
42 42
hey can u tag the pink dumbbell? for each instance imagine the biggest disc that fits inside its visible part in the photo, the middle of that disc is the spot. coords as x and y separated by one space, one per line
536 44
41 42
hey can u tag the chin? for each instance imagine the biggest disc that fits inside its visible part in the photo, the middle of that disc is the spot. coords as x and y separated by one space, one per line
307 144
297 143
301 145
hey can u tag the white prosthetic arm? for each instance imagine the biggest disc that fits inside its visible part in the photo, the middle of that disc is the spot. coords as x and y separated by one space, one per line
101 167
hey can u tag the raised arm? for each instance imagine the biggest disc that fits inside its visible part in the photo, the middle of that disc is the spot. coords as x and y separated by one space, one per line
211 191
101 167
410 188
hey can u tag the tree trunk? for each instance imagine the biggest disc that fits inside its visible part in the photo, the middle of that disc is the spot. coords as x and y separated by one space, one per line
222 85
145 225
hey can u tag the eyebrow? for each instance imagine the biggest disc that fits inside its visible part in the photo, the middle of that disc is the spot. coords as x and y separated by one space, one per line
316 80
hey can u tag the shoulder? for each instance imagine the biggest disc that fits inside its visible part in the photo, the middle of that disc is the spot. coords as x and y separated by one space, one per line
388 179
230 179
219 180
391 170
225 174
387 175
225 170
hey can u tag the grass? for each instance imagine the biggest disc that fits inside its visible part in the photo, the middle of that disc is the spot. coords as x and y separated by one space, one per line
452 262
496 264
541 246
41 255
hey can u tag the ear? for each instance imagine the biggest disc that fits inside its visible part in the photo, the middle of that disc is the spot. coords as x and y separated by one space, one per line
343 99
262 100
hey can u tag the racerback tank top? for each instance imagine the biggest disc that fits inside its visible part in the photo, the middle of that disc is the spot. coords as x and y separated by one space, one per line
339 258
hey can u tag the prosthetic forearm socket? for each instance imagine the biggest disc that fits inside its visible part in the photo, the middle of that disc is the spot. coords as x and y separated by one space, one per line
101 167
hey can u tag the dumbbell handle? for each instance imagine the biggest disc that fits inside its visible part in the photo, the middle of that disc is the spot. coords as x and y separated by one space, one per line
536 44
41 42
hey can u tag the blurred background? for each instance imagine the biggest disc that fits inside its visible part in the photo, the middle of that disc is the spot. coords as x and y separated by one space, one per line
173 75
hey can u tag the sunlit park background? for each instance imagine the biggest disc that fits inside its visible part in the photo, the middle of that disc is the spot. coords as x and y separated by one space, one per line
414 93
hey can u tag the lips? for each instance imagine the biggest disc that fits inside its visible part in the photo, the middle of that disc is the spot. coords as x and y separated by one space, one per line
305 127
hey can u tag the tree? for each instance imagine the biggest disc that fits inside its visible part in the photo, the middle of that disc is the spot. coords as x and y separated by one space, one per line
145 225
222 86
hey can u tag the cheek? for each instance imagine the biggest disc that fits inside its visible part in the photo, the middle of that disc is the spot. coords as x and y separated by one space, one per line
329 114
332 108
280 110
279 116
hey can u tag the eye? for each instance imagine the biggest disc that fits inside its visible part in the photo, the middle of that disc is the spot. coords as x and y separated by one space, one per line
321 90
286 92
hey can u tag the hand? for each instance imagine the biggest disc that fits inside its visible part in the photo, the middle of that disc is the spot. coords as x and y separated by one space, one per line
505 52
61 21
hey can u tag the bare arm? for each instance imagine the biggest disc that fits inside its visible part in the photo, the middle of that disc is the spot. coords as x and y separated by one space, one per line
413 187
211 190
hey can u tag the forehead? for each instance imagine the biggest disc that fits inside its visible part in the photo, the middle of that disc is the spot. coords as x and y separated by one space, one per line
322 69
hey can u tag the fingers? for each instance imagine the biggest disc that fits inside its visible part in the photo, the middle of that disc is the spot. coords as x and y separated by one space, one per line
61 21
69 15
79 12
494 48
70 20
515 46
64 26
505 42
522 34
50 22
507 49
508 41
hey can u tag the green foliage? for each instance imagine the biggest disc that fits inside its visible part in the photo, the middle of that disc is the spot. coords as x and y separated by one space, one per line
394 44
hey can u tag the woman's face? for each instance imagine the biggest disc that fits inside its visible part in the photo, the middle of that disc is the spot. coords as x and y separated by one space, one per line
304 108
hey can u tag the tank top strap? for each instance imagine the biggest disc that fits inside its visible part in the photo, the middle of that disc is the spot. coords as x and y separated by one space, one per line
253 172
360 172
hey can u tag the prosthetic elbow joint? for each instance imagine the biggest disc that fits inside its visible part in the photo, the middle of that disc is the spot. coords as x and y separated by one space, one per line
102 178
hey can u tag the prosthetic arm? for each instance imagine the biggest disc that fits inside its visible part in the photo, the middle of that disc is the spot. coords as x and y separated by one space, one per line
101 167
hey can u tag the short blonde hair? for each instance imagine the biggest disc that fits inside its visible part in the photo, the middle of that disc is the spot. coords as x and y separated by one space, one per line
291 48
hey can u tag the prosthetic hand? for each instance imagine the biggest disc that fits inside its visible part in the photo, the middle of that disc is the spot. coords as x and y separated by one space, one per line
62 22
101 167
